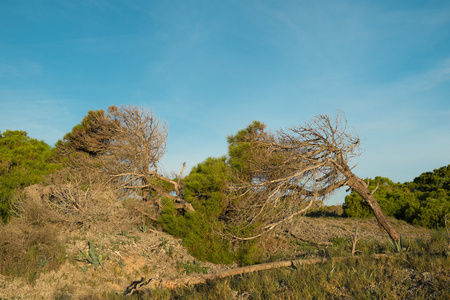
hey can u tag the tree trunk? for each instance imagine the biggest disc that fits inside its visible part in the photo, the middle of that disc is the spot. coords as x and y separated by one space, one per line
178 202
359 186
145 191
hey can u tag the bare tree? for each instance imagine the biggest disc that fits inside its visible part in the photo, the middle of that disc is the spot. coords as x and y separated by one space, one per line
294 168
134 153
127 145
137 146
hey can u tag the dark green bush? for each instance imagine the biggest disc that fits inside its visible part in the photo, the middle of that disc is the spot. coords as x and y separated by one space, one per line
424 202
23 161
197 232
206 189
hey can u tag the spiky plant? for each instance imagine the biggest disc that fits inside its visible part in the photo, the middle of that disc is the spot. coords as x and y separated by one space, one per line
92 256
396 246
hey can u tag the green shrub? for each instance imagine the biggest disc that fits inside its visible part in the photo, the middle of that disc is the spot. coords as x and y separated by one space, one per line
23 161
392 197
205 188
196 231
423 202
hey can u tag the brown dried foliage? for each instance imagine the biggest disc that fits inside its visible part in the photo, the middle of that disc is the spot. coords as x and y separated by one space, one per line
29 250
126 145
75 200
292 169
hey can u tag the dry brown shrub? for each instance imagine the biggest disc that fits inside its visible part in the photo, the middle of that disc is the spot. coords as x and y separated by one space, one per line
79 200
12 249
29 250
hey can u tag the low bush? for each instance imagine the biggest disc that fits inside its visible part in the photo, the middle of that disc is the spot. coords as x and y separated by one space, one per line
205 188
23 161
76 201
197 234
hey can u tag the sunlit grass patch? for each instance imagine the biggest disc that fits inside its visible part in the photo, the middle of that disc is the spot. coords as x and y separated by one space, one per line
400 277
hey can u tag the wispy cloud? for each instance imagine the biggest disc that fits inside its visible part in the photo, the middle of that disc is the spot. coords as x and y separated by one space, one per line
21 69
32 111
421 81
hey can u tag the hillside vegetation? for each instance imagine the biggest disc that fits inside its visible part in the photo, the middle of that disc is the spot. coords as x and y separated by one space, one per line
424 202
93 218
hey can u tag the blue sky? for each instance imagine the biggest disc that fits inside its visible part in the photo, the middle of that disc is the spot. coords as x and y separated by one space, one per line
209 68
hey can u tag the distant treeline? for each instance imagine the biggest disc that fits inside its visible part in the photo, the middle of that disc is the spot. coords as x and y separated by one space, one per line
425 201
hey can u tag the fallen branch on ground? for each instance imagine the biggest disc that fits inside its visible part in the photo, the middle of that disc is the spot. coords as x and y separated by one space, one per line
142 284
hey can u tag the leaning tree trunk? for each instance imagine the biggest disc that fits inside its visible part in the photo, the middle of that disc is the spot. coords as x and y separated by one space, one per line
359 186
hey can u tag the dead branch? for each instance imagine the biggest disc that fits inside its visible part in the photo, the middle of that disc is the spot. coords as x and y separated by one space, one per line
376 188
289 168
270 227
202 279
354 238
126 144
177 186
146 214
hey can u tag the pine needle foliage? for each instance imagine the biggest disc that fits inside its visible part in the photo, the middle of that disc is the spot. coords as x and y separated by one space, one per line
424 202
206 189
23 161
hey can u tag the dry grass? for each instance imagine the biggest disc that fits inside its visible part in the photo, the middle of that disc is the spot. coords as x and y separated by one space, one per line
130 256
29 250
404 277
38 261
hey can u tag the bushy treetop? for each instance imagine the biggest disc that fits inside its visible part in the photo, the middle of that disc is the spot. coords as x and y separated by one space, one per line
23 161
